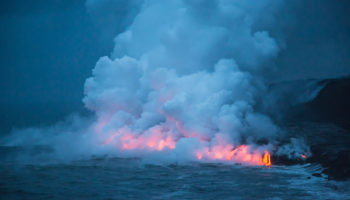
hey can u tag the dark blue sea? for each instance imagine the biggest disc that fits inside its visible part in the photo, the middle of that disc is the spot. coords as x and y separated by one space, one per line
131 178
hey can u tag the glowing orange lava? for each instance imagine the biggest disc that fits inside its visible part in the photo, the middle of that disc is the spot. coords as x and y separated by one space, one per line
154 139
267 159
159 138
241 154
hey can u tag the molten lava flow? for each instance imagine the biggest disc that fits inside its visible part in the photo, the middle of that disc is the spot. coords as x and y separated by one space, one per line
160 138
267 159
241 154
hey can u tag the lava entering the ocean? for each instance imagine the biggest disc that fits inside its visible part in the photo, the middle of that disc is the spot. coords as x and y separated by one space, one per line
155 139
241 154
267 159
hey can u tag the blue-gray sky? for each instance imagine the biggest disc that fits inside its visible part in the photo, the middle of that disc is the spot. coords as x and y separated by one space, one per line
48 49
319 41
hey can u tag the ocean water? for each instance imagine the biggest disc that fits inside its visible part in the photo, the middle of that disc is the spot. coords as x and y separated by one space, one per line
132 178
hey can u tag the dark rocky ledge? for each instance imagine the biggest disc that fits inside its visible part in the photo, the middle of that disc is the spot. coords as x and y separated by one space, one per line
337 166
329 145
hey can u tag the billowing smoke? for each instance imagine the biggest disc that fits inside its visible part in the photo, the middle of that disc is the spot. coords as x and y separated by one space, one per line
190 79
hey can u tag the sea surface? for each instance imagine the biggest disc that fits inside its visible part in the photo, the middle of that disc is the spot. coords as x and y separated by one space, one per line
132 178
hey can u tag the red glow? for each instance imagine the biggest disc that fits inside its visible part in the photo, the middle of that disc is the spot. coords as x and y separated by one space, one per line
155 139
199 156
241 154
159 138
303 156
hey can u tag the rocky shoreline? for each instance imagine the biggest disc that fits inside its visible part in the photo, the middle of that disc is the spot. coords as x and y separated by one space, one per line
329 145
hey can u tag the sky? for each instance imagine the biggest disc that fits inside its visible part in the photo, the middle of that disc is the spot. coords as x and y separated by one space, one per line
319 41
48 49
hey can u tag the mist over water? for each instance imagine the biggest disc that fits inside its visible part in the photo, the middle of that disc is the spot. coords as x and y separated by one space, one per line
186 78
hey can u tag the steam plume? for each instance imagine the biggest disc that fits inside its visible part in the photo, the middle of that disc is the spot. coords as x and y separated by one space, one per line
187 70
186 78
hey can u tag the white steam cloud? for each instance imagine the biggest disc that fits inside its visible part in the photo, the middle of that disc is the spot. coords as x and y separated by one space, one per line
185 69
185 76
